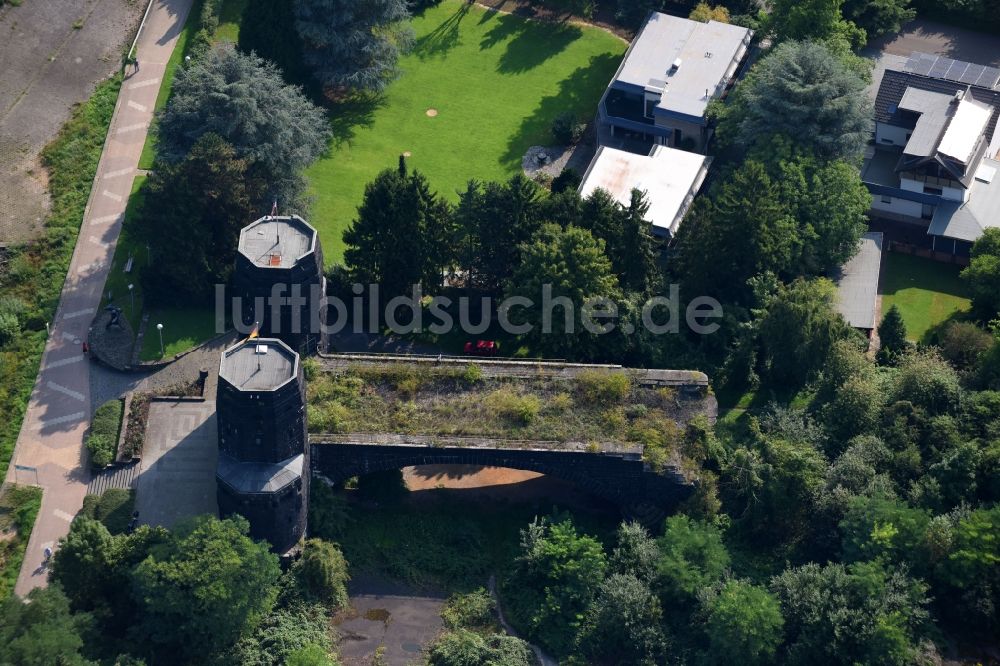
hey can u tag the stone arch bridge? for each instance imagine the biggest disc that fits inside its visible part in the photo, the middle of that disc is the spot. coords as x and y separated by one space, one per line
617 474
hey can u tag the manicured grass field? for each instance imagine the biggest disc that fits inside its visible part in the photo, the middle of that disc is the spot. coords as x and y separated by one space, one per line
927 293
183 328
496 81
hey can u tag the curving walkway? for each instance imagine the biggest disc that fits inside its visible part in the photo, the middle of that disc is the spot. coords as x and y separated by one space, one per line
58 414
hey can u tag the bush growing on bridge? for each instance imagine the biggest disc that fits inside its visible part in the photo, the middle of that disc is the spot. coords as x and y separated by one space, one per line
603 387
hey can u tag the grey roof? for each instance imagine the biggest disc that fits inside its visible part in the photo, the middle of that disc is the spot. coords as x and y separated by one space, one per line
967 221
260 364
277 242
935 110
707 52
857 283
895 83
255 477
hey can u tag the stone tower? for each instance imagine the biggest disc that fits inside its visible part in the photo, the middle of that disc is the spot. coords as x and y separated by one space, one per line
284 251
263 469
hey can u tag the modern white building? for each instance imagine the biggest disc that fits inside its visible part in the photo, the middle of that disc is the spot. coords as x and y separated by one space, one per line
934 162
672 70
670 179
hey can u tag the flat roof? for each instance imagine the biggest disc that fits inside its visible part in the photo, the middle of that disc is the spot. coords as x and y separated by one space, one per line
259 364
706 52
669 177
857 283
277 241
966 221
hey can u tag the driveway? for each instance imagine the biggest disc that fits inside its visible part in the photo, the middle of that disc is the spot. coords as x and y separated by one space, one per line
52 54
940 39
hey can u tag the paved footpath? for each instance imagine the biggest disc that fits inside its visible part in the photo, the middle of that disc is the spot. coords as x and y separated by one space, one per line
58 414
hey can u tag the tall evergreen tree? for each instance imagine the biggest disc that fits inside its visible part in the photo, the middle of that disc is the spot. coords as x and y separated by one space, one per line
243 99
402 235
351 45
892 335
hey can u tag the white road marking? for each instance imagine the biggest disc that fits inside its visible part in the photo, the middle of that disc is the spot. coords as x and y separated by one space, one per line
90 267
97 241
136 106
60 419
66 335
112 195
143 84
59 513
106 218
76 395
119 173
131 128
63 361
78 313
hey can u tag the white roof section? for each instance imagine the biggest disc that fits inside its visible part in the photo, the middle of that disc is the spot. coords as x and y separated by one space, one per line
277 241
669 177
705 53
966 126
966 221
857 283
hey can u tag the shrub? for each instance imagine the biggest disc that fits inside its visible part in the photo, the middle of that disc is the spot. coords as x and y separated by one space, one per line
310 368
114 509
322 572
513 406
601 387
102 442
473 610
962 343
473 374
560 402
568 179
327 417
566 130
102 450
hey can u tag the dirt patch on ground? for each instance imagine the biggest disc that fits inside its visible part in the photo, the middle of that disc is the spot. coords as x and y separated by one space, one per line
431 113
52 54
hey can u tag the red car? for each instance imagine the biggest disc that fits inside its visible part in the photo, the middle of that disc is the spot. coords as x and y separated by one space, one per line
482 348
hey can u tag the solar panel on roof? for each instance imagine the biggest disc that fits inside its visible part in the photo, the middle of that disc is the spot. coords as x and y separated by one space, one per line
990 78
972 74
956 71
940 68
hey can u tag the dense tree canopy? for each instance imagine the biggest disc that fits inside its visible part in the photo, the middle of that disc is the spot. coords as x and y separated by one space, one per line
983 274
243 99
353 45
566 264
803 91
401 236
209 583
200 203
744 624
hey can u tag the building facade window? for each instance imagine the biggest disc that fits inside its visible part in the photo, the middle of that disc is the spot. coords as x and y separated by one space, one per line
933 190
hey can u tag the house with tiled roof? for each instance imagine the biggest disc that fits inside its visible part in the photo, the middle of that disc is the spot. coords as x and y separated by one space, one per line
936 154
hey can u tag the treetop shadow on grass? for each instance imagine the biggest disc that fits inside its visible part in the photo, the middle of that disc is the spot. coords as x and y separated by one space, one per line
443 38
532 43
349 115
575 93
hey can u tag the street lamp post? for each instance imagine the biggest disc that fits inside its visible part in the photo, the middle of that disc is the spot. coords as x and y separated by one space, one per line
159 327
131 298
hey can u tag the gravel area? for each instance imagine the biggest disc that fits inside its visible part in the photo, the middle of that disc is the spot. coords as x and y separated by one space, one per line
552 160
52 54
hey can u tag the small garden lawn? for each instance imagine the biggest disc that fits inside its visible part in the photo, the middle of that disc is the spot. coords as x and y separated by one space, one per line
927 293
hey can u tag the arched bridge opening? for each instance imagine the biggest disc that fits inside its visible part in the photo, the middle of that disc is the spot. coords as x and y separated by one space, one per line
618 476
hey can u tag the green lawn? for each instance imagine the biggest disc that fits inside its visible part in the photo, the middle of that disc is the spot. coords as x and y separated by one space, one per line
183 328
497 82
230 15
927 293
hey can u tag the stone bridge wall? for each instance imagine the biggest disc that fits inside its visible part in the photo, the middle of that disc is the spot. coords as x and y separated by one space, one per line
619 476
